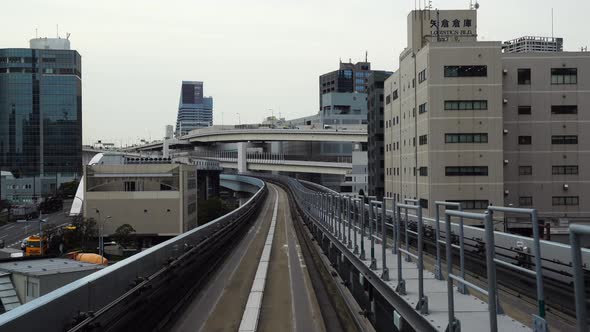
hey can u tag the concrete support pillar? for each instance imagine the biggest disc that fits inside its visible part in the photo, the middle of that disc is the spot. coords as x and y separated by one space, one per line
242 162
166 148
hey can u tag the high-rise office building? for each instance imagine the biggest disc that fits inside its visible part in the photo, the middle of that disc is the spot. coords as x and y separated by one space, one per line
41 109
375 130
350 77
194 109
465 122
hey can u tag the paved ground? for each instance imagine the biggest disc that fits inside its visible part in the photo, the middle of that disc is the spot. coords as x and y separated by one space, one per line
288 302
13 233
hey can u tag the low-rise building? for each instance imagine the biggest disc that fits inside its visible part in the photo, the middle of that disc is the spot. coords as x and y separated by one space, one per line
153 195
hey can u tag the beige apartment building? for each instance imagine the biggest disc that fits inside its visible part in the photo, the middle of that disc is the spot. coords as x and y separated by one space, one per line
157 199
546 100
460 127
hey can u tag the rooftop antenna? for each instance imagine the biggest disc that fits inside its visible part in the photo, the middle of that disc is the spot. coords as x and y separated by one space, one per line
36 33
68 35
366 56
57 30
430 4
551 23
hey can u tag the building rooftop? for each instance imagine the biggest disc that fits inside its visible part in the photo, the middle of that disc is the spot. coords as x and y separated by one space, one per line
39 267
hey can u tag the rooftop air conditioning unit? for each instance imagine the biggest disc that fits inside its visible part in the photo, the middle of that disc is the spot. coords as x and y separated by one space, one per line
505 161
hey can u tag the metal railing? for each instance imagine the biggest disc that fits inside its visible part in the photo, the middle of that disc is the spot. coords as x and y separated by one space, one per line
383 216
53 311
576 231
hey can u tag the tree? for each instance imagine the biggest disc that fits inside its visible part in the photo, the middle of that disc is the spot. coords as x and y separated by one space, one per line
123 235
85 229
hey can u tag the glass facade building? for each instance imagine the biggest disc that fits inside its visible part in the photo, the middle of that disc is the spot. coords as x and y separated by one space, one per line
194 110
40 112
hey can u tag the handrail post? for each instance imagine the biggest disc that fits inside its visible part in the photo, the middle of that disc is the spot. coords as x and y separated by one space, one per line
401 283
362 228
349 215
385 273
437 265
578 272
491 271
372 215
395 221
338 220
406 227
538 267
422 299
461 288
454 323
356 222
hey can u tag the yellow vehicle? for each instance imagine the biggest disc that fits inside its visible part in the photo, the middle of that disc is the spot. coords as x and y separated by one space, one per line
33 246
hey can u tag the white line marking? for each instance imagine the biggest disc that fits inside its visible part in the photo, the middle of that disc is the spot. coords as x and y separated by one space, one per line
251 314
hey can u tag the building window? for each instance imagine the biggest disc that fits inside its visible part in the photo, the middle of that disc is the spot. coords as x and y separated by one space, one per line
524 110
466 171
422 108
465 105
566 200
387 100
525 170
564 109
422 76
525 201
394 95
524 76
466 71
130 186
466 138
423 139
564 139
423 171
564 76
565 170
525 140
423 203
473 204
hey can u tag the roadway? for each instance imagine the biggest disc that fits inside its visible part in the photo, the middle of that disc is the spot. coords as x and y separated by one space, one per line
13 233
288 302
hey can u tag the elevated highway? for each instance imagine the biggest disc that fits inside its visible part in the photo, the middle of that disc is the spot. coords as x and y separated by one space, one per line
214 135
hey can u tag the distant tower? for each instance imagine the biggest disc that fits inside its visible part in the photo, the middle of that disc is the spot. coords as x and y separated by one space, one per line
194 110
169 132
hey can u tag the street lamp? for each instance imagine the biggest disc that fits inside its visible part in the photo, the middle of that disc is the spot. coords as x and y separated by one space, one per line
100 238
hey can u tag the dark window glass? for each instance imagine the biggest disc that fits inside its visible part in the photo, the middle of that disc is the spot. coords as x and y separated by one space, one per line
423 203
524 76
566 200
423 140
564 76
465 105
525 201
423 171
394 95
466 138
524 110
564 109
564 139
466 171
525 140
525 170
387 100
565 170
466 71
422 108
473 204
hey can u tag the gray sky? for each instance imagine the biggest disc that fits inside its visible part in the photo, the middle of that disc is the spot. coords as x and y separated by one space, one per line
253 55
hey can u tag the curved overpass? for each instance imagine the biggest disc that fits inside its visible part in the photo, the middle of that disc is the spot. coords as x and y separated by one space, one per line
304 135
267 135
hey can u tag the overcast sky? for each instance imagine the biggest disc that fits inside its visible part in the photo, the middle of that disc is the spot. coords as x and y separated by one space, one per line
253 55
